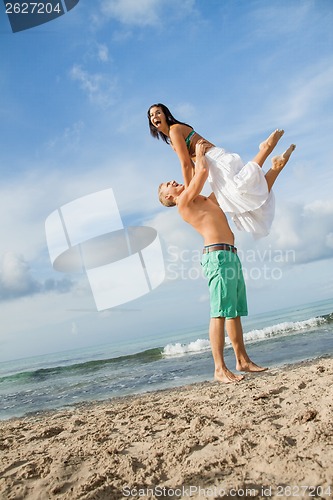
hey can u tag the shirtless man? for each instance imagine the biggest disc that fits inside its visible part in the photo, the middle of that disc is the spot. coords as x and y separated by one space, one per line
220 263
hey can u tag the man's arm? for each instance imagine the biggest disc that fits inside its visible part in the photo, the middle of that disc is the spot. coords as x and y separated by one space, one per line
200 176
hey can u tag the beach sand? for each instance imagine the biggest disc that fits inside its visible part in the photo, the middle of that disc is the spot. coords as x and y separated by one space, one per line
269 436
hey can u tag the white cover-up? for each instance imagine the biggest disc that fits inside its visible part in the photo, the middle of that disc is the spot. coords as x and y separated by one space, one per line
241 191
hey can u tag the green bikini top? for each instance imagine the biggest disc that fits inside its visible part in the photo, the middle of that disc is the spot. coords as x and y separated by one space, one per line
188 139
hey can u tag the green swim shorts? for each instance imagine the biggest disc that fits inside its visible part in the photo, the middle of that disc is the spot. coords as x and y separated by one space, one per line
227 290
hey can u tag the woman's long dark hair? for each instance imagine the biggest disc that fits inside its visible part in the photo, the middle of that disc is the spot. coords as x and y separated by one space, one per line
171 120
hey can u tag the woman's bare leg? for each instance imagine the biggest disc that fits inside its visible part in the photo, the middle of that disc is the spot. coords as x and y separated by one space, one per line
267 147
278 162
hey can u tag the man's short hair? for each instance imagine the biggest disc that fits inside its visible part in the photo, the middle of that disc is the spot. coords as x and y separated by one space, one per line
166 202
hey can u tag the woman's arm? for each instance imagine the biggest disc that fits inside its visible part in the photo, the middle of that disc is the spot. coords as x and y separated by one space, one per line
200 176
179 145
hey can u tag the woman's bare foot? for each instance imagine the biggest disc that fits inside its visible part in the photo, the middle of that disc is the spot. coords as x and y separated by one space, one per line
278 162
226 376
250 367
272 141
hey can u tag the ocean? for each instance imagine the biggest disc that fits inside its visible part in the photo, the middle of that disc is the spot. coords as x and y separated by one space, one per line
99 373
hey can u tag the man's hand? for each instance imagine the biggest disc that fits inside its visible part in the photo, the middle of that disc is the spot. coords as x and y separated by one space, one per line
201 148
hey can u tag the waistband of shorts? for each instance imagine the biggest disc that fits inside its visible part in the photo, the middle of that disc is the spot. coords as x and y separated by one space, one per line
219 246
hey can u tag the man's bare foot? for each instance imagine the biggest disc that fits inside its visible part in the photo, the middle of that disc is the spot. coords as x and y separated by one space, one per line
272 141
250 367
278 162
226 376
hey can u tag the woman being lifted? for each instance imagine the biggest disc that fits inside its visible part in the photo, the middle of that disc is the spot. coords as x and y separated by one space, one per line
242 190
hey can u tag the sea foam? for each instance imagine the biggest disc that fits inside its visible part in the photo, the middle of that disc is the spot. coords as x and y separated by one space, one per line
280 329
179 349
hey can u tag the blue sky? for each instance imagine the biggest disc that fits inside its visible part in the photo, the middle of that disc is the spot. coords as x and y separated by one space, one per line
75 93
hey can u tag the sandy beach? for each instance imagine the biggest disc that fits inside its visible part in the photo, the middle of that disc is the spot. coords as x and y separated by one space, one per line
269 436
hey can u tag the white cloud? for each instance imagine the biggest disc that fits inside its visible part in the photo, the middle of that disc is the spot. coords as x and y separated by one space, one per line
319 208
146 12
309 93
287 227
143 12
299 104
174 231
22 209
304 229
103 52
15 277
70 138
186 110
100 89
